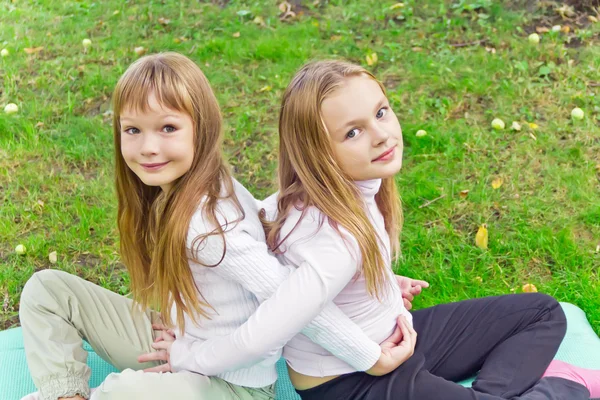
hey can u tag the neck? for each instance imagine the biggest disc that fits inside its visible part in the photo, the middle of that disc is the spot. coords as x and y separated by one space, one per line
369 188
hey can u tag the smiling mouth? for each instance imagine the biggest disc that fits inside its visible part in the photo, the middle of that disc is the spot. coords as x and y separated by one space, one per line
154 166
385 155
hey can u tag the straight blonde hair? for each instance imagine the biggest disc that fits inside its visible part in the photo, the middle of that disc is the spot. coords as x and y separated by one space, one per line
309 174
153 225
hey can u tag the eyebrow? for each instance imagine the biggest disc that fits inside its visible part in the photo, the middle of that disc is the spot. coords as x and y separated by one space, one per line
354 122
165 116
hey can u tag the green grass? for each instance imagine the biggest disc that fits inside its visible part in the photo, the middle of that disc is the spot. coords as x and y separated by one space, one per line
56 185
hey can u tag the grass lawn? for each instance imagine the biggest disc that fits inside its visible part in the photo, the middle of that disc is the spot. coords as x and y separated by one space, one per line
450 68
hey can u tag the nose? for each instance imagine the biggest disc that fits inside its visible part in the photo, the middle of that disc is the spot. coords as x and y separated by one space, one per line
150 144
379 135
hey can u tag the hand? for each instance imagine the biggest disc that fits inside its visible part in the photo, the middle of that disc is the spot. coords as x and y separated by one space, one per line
396 349
410 288
162 344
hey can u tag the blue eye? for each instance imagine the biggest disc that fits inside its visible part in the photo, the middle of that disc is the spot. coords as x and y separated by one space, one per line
381 113
351 134
169 129
132 131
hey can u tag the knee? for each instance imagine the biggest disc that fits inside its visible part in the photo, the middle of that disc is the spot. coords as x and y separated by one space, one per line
37 284
545 301
551 307
34 284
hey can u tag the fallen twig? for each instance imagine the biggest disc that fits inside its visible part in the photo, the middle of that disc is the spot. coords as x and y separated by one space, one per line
477 42
432 201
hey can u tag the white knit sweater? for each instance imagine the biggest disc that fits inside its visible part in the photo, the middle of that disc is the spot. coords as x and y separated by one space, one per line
241 341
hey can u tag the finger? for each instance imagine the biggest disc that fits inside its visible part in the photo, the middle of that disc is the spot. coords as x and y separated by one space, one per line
166 336
154 356
407 304
160 345
407 295
396 335
159 368
412 333
171 332
415 290
407 331
416 282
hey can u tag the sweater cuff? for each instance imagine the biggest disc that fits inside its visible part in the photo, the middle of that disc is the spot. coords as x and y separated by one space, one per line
182 356
367 357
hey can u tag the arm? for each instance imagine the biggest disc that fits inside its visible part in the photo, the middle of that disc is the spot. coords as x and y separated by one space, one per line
305 296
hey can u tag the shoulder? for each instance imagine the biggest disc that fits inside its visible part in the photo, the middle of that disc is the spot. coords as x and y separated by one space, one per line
311 225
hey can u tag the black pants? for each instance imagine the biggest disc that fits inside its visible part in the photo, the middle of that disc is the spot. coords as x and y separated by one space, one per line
508 340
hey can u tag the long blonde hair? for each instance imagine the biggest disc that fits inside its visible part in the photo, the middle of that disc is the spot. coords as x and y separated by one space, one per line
153 225
309 174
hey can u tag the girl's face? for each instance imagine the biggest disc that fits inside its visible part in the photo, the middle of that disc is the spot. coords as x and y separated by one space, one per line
365 134
157 145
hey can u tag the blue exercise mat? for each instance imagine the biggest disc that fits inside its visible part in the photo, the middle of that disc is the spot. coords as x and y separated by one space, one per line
581 347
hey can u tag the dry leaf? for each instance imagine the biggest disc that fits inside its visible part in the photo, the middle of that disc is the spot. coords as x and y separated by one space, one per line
515 126
541 29
566 11
335 38
397 5
164 21
597 167
481 238
53 257
565 29
529 288
417 49
497 182
236 35
531 135
259 21
39 125
591 18
285 7
40 203
140 51
464 193
33 50
371 59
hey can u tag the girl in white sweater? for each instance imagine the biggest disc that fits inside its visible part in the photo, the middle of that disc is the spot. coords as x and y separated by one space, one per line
194 247
338 210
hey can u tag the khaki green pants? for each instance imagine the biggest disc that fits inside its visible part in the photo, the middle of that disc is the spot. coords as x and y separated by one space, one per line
58 310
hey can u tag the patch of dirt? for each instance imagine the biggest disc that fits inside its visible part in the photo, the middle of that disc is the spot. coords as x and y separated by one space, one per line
93 107
584 5
574 14
9 322
538 269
